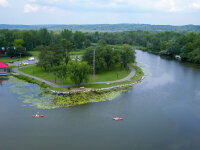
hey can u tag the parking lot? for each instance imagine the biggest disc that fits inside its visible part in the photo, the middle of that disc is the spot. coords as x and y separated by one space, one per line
17 63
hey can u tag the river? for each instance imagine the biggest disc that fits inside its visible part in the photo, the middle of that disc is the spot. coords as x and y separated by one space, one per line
160 113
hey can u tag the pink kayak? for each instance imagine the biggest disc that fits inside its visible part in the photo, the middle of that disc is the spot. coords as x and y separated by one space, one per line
117 118
38 116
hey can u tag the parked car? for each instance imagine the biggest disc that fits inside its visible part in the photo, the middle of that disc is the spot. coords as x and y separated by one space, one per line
11 62
23 63
31 59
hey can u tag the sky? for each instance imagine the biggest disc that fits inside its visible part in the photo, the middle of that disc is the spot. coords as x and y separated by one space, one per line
156 12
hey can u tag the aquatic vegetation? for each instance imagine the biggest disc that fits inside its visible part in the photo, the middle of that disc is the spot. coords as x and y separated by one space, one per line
34 96
31 94
84 98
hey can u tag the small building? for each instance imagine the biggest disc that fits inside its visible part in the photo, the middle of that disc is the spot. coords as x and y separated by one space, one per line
3 67
3 51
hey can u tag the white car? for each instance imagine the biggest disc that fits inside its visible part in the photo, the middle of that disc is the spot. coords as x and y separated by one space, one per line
31 59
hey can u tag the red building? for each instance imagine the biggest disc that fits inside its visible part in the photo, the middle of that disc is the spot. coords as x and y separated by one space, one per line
3 67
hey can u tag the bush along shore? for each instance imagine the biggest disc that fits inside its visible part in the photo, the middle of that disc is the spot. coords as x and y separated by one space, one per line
76 96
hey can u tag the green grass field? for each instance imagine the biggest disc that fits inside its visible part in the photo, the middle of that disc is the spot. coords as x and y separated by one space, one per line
115 74
138 75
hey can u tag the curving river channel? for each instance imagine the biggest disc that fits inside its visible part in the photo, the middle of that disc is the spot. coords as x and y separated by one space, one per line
161 113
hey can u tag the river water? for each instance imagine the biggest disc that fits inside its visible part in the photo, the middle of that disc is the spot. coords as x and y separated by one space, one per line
161 113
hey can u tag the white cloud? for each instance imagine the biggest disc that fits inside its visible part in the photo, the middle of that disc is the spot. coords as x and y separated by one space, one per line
196 5
4 3
50 9
30 8
31 0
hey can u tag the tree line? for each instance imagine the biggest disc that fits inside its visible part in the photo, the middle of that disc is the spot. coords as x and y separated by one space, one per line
30 39
185 44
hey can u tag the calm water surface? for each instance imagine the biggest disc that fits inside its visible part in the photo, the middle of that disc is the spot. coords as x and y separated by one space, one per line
161 113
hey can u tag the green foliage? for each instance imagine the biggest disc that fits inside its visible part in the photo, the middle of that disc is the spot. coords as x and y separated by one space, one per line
107 56
78 71
18 42
61 72
127 55
185 44
79 39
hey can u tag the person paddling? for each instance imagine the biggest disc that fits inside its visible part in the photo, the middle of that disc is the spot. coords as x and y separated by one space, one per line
37 114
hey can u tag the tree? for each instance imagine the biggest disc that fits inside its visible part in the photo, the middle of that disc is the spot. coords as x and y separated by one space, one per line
78 71
67 34
127 55
44 36
108 56
18 42
67 46
45 58
79 38
62 72
87 43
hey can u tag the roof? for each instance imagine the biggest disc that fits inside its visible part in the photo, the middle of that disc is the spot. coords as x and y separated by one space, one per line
3 65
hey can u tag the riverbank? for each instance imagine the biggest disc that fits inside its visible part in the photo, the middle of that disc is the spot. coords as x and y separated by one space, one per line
164 54
72 96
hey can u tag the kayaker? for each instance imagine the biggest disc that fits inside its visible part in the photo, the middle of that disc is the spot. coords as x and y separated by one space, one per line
37 114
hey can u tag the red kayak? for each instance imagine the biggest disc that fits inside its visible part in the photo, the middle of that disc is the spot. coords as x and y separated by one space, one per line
117 118
38 116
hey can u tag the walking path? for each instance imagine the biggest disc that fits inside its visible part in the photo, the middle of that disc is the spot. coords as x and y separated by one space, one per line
69 85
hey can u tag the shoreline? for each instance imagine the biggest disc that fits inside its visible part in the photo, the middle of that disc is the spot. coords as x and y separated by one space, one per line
78 96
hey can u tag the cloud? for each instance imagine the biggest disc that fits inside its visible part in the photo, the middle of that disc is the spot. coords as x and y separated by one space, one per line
196 5
123 5
31 0
4 3
30 8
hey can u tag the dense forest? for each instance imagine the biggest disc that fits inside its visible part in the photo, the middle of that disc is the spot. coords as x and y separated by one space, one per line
106 27
187 45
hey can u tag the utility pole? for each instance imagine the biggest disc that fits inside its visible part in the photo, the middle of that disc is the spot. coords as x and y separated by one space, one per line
94 64
19 60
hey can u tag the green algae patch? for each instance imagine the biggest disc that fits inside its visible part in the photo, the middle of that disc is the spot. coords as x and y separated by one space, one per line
33 96
85 98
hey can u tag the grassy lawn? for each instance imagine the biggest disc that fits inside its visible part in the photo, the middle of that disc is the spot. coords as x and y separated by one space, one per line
35 53
104 76
116 73
138 75
7 59
77 53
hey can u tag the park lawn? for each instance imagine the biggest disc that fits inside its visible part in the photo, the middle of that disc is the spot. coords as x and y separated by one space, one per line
49 76
35 53
116 73
77 53
138 75
41 73
6 59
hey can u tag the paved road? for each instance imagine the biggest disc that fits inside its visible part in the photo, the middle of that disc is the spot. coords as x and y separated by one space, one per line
68 85
17 63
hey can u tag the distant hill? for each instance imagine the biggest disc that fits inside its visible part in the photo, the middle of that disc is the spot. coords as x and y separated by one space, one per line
105 27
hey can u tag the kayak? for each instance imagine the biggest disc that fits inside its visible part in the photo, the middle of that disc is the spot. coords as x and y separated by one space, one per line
117 118
38 116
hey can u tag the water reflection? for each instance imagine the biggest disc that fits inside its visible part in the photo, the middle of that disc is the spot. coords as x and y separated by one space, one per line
156 82
2 79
